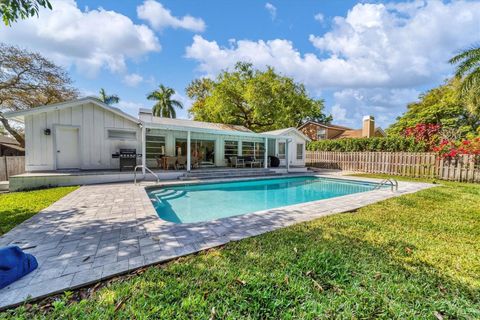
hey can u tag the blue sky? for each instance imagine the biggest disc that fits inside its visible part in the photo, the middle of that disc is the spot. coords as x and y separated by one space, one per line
366 57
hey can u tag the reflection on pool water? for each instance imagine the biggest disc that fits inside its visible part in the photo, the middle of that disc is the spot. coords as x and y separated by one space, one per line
203 202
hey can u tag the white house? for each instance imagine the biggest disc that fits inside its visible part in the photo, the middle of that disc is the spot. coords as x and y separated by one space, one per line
87 134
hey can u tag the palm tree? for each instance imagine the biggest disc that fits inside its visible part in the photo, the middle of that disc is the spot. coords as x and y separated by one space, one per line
468 69
108 99
165 105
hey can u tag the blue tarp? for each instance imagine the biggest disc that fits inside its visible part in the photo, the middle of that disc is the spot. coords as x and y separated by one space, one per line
14 264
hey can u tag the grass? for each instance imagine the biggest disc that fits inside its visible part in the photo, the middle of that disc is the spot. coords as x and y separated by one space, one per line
19 206
412 257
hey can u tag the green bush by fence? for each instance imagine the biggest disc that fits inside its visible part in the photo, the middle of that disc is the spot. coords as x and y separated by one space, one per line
391 144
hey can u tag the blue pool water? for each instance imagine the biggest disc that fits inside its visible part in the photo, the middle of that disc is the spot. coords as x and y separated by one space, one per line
203 202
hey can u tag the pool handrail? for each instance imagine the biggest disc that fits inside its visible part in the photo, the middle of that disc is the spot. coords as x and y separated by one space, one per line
392 182
147 169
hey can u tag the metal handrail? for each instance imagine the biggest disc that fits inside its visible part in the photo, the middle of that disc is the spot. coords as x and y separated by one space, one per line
146 168
393 184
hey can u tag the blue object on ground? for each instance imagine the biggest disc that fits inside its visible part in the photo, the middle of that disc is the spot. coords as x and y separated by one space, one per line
14 264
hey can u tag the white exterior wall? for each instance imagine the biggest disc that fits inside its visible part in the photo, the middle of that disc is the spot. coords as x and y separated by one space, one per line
292 149
172 135
95 147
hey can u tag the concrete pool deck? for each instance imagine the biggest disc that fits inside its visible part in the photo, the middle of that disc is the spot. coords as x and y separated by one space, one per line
99 231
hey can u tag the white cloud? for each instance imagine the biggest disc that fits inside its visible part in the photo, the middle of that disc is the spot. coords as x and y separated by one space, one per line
339 113
160 17
374 45
319 17
350 105
129 107
89 40
272 10
132 79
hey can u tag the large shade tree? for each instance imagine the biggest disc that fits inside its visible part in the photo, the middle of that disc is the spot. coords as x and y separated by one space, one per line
164 103
443 106
258 100
12 10
28 80
108 98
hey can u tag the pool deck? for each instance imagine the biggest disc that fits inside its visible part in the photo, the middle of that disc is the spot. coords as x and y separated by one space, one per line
100 231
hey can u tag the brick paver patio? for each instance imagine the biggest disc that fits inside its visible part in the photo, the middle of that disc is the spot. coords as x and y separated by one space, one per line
100 231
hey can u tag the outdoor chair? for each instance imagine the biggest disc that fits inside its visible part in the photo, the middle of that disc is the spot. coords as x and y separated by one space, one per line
170 162
237 162
182 162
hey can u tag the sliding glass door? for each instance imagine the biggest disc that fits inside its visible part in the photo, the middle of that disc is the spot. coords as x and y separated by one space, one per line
202 150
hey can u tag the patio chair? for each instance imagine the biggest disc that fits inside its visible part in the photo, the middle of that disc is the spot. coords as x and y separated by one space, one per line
170 162
237 162
182 162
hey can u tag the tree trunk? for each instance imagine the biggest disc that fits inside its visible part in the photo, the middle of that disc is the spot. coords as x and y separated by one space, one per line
12 131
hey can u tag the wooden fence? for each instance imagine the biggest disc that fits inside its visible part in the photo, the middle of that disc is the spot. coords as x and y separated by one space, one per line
421 165
10 166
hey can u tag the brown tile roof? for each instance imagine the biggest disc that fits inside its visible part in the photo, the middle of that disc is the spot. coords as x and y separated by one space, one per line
350 134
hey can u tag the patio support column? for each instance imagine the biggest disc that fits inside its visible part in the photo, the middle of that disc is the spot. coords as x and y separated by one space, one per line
144 149
265 157
188 151
286 154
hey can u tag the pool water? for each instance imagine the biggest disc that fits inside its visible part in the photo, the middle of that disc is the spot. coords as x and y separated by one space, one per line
203 202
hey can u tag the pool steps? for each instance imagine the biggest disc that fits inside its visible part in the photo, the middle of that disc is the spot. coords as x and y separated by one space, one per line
227 173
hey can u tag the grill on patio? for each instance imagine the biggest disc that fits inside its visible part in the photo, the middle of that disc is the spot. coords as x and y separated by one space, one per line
128 158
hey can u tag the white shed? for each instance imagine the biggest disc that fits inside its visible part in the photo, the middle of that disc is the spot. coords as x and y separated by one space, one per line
294 146
79 134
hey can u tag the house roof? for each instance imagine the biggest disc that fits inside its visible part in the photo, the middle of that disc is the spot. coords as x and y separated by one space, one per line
286 131
331 126
19 115
356 133
10 143
197 124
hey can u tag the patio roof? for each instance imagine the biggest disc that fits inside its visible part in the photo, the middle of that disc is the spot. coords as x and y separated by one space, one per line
203 127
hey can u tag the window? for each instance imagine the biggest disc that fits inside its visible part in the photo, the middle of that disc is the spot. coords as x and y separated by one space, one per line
281 150
248 148
121 134
259 150
299 151
231 149
322 134
155 144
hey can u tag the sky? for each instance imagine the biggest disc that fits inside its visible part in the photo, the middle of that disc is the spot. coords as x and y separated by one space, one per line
362 58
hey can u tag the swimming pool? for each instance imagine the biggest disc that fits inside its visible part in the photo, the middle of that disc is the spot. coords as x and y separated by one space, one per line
209 201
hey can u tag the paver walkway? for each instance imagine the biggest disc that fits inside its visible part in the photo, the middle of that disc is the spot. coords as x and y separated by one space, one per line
100 231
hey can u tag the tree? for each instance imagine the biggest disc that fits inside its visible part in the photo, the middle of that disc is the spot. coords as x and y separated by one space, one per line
108 99
29 80
258 100
468 69
442 106
165 105
12 10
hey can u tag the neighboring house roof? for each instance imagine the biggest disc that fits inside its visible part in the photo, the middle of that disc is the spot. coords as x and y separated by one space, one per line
357 133
286 131
19 115
332 126
10 143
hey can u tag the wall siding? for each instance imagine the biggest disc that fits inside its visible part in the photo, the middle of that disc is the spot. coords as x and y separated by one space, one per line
95 146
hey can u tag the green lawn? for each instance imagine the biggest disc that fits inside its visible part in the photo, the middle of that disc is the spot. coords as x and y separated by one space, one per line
19 206
413 257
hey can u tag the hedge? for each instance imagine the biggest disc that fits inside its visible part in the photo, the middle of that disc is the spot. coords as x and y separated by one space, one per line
390 144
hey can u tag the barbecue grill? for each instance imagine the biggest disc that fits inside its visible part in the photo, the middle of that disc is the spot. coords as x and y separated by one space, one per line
128 158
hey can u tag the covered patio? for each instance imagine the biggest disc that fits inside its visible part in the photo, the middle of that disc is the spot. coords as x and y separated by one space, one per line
188 145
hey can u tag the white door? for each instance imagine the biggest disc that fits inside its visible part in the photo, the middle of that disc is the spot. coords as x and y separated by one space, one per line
281 149
67 143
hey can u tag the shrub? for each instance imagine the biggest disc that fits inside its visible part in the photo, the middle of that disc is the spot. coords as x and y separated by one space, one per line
390 144
451 149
